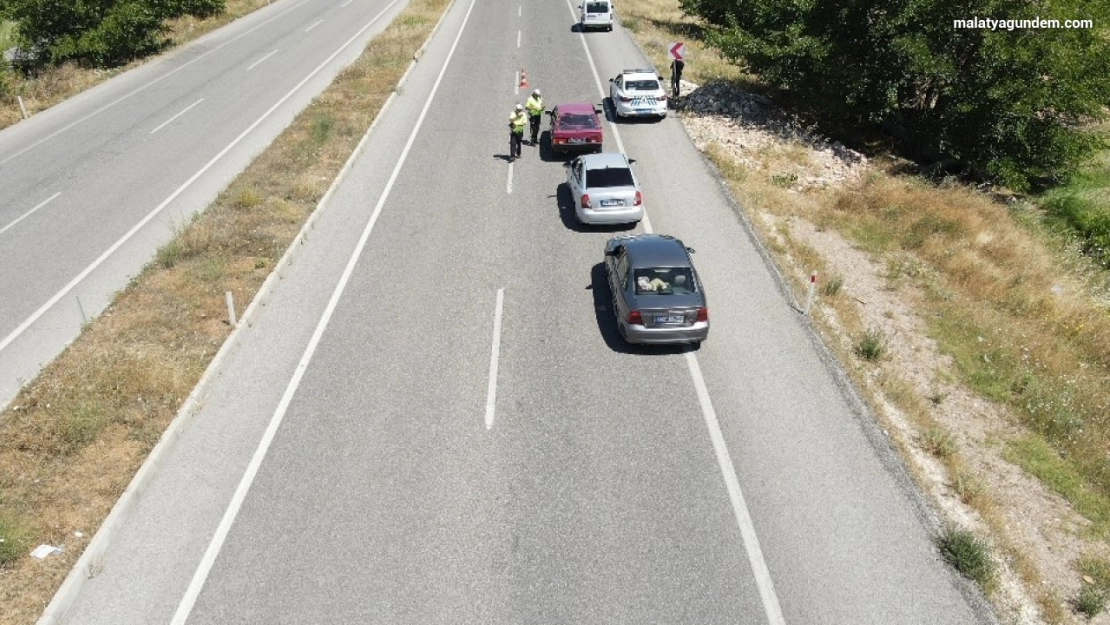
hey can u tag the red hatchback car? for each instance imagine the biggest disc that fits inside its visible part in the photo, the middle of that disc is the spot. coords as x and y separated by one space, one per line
575 127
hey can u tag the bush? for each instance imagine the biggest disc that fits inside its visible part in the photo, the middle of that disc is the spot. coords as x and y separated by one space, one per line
100 33
1001 104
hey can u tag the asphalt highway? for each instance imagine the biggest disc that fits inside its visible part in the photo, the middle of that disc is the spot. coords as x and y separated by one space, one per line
433 419
93 186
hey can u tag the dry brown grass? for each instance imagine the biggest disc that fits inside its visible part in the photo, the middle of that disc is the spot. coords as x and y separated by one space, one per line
54 85
73 438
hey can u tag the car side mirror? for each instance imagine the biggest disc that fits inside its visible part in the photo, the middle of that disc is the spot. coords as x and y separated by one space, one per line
660 76
691 250
612 252
566 164
599 111
612 80
631 161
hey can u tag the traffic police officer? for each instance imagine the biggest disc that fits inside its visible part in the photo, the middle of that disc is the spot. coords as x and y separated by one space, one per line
535 110
517 120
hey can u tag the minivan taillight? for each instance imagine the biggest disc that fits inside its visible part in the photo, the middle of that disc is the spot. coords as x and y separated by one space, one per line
703 315
639 199
585 200
635 318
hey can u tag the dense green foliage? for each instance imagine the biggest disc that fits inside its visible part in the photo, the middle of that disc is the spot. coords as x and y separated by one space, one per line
98 33
1001 104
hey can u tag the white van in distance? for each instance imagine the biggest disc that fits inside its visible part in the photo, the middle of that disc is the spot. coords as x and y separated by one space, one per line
596 14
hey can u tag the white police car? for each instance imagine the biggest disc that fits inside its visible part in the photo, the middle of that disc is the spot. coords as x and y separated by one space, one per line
638 93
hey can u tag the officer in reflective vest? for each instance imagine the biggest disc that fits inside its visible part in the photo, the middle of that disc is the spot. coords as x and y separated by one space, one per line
516 131
535 110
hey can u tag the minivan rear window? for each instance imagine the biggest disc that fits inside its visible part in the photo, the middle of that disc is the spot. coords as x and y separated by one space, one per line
597 7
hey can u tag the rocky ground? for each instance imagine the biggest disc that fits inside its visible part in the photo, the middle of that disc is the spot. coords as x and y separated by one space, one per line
1035 521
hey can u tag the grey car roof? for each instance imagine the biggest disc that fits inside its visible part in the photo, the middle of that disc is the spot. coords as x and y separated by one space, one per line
656 250
603 160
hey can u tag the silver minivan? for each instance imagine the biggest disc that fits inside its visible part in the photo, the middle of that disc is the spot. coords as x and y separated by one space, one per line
596 14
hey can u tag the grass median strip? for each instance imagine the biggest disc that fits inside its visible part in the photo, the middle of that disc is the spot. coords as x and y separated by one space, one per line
74 437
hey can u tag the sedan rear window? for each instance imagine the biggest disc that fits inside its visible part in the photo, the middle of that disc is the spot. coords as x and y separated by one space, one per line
597 7
665 280
642 85
578 121
609 177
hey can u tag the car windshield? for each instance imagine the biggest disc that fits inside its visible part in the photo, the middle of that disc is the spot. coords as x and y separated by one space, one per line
597 7
578 121
609 177
664 280
642 85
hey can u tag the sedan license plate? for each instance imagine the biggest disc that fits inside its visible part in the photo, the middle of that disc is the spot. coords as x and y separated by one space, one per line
670 319
577 140
612 202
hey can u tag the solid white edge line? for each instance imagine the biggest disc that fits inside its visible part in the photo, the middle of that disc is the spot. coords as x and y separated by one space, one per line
185 110
147 85
754 552
509 182
130 233
495 354
758 564
91 559
255 64
345 3
28 213
314 25
200 576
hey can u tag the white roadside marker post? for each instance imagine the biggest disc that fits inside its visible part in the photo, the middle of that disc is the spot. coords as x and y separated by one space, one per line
230 308
809 296
22 107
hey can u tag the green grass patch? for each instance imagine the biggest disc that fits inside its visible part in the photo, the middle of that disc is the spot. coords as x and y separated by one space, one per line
1091 601
968 554
13 540
872 345
1033 454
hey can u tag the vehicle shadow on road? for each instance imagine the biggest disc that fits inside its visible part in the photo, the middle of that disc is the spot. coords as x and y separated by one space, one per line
566 213
607 323
547 153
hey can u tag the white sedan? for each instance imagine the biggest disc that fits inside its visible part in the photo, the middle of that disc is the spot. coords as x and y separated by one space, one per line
604 189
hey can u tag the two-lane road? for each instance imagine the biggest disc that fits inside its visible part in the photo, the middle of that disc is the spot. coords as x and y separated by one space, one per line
92 187
741 483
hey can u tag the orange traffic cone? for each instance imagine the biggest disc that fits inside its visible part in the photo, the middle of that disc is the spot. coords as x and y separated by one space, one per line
523 79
